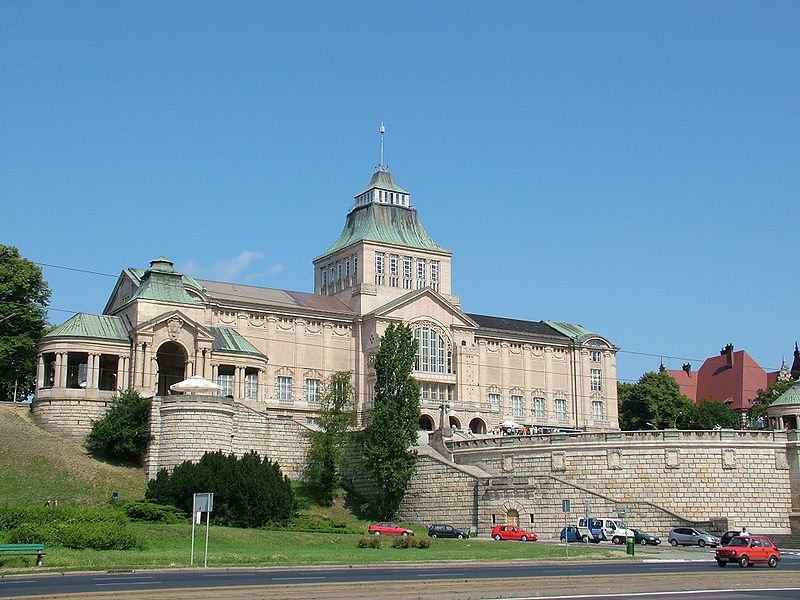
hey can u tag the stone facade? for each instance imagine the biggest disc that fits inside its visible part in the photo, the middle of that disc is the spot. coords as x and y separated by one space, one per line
273 350
661 479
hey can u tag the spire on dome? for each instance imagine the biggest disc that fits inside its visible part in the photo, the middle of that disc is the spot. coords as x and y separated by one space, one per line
381 165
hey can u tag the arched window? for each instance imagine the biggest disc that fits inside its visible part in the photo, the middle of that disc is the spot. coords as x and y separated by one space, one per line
433 351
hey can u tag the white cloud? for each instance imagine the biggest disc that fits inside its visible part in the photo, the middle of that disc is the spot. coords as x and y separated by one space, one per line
230 269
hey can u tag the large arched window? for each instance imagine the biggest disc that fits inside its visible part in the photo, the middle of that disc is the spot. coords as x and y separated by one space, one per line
433 351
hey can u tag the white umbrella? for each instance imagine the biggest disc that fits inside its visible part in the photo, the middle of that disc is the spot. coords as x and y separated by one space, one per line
197 385
509 424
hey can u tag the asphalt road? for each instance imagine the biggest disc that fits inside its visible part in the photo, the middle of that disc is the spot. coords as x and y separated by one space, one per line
442 582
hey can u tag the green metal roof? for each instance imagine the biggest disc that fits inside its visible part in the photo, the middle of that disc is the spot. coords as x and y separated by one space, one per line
228 340
93 326
386 224
383 181
790 397
161 283
576 332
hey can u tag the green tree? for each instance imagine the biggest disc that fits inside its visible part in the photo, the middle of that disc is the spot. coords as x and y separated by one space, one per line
395 419
654 401
328 451
24 296
124 431
709 414
764 398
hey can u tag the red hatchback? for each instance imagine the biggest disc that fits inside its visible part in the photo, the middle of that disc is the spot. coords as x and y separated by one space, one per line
749 550
512 532
388 528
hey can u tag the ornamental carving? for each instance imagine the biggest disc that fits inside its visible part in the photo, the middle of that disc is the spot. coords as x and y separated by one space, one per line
614 459
781 460
672 458
174 326
559 461
728 458
508 463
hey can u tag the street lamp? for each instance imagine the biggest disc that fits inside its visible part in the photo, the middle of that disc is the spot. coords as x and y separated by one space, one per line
651 425
675 421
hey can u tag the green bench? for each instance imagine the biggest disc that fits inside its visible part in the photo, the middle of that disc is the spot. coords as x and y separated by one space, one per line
36 550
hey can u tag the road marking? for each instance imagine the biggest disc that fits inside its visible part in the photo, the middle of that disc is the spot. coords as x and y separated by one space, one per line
128 582
651 594
145 577
440 574
295 578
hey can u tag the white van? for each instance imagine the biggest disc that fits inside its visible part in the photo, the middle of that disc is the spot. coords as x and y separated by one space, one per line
608 529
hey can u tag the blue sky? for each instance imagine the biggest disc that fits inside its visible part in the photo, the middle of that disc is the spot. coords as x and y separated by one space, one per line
629 166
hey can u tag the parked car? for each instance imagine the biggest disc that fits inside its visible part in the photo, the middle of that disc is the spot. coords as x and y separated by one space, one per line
512 532
607 528
573 534
749 550
726 537
691 536
388 528
447 531
645 538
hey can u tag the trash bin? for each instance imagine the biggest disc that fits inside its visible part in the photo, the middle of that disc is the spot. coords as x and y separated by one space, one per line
630 544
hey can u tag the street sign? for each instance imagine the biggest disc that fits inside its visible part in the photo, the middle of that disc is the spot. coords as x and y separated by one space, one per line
620 511
565 506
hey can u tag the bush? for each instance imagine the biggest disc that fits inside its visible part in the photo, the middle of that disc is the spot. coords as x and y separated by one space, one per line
321 524
369 542
124 431
248 491
103 529
152 513
410 542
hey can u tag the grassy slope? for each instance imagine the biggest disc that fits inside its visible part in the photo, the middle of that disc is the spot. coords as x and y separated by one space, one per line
37 466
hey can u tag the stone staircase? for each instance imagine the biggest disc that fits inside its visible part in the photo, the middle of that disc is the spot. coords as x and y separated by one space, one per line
786 542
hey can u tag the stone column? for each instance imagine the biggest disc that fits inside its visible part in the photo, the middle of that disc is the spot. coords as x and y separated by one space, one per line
40 375
261 394
95 377
61 370
121 379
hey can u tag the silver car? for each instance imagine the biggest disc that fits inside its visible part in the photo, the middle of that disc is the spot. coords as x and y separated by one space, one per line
691 536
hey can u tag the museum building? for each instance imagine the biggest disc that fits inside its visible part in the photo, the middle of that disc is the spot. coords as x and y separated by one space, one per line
273 350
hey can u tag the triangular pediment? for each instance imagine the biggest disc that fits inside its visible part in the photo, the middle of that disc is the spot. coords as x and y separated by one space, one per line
423 302
203 333
123 293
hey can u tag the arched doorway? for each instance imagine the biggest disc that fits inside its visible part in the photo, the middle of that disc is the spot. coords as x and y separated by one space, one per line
171 359
425 423
512 517
455 424
477 426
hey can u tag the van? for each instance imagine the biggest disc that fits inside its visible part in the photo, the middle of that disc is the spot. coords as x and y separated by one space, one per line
607 528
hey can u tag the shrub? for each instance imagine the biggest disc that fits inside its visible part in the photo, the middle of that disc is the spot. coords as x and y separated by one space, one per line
369 542
248 491
151 512
124 431
410 542
103 529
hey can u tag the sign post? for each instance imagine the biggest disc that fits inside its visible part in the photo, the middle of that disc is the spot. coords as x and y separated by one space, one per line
565 506
203 503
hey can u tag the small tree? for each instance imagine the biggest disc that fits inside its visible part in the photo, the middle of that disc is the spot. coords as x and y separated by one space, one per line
764 398
395 419
327 454
124 431
710 414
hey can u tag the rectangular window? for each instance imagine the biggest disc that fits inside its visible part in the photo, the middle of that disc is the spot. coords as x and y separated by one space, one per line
538 408
407 267
355 268
283 388
595 355
517 406
394 264
435 271
597 410
347 280
339 271
312 390
251 386
494 400
597 380
420 273
379 259
226 381
561 408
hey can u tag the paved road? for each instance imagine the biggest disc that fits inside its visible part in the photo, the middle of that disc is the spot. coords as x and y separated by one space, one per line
462 580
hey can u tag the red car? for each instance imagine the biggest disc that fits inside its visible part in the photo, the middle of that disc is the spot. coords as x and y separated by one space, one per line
388 528
749 550
512 532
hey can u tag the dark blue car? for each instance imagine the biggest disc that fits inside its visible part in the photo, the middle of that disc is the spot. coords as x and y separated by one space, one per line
573 534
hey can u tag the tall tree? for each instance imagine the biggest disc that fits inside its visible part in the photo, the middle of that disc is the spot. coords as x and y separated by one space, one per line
710 414
328 451
392 430
24 296
655 401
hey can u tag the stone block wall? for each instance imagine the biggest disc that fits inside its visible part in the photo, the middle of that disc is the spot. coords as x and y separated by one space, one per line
69 417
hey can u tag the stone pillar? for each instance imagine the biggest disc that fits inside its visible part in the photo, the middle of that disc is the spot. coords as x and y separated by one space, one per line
40 375
237 383
147 367
61 370
94 360
261 394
